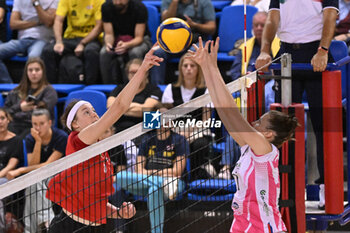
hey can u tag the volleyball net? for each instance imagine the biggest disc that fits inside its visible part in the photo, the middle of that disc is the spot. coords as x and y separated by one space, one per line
169 174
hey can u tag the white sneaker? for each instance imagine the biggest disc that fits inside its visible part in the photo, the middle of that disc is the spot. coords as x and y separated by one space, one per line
224 174
170 187
321 204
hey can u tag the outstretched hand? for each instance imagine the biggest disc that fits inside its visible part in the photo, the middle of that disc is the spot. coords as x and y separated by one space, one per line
151 60
127 210
202 56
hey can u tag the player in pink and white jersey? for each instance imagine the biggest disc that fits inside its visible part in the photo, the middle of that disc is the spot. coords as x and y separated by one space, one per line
255 203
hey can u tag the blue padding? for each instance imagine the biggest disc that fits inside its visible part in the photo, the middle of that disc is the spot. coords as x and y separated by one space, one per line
195 197
106 88
225 57
227 185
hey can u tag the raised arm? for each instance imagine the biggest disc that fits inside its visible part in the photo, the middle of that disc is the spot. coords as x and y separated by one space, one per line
121 104
229 113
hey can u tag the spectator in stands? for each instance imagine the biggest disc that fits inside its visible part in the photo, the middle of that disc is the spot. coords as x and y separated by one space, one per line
253 48
262 5
190 84
11 154
34 91
80 40
126 37
44 145
160 165
200 15
33 20
147 97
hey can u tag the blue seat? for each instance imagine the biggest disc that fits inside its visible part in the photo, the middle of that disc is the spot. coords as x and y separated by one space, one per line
9 36
339 50
105 88
153 21
231 28
2 102
162 87
156 3
97 99
220 190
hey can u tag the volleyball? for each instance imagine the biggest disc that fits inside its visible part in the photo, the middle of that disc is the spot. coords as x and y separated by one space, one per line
174 35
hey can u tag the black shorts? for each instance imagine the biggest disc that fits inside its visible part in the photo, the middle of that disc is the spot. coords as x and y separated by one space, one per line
63 223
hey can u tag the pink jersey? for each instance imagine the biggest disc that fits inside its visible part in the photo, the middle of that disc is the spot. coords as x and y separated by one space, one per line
255 203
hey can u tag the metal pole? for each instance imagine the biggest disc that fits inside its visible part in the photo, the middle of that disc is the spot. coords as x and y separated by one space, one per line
286 84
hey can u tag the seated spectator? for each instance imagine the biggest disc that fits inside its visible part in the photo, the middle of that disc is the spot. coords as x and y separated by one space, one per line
11 154
44 145
190 84
253 48
126 37
34 91
80 43
147 97
200 15
160 165
262 5
33 19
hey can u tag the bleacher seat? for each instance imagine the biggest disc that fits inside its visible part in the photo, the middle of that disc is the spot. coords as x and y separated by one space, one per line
231 28
339 50
105 88
2 102
211 190
153 21
97 99
9 36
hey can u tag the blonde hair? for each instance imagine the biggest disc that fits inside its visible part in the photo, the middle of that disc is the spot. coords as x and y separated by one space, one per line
199 77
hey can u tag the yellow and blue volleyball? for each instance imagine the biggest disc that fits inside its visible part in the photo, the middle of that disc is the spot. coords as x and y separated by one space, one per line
174 35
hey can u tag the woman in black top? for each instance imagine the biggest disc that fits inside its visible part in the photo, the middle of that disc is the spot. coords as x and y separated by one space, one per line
11 154
34 91
190 85
147 97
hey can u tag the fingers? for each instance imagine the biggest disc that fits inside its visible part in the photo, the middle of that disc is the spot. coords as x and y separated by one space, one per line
200 42
206 47
216 45
154 48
